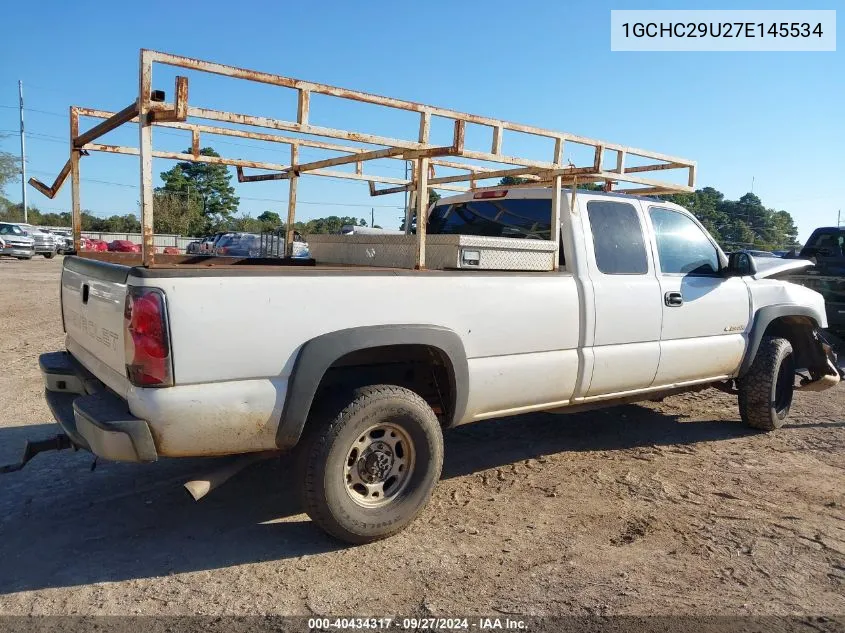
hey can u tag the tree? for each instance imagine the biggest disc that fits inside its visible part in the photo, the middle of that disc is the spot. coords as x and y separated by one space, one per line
173 213
513 180
270 218
10 167
207 183
743 223
331 224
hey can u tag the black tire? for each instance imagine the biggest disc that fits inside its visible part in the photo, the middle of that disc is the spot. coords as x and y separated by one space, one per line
30 257
323 458
50 255
765 392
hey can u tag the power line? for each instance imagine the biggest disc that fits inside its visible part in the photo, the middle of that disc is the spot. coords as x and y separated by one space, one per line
52 113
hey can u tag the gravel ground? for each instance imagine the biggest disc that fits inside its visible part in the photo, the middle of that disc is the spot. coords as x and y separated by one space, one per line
664 508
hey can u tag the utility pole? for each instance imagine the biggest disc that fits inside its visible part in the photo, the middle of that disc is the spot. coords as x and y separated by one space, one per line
23 154
372 217
838 218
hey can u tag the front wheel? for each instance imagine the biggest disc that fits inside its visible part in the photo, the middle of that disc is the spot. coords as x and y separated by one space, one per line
765 392
50 255
369 466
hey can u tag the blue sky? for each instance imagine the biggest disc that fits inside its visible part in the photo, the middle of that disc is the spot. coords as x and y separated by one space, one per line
776 118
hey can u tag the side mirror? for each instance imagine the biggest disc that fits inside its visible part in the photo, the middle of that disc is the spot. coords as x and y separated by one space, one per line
740 264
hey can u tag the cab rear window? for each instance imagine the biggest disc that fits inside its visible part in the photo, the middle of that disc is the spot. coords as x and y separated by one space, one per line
833 241
520 218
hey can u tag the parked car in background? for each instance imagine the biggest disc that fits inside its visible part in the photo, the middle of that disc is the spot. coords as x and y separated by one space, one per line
225 242
209 242
761 254
16 243
826 248
63 239
239 245
193 247
45 243
124 246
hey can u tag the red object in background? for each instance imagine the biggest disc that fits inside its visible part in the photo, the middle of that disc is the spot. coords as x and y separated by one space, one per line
94 245
124 246
171 250
91 244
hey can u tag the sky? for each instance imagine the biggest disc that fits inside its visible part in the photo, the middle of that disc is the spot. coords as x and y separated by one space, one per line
773 119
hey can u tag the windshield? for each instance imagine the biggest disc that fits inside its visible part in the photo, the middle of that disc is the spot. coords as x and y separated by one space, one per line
522 218
10 229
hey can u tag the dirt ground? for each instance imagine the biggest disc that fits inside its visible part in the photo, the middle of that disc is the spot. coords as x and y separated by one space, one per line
669 508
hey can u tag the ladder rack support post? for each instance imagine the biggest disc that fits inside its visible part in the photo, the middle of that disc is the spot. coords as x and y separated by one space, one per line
421 178
76 214
292 184
145 151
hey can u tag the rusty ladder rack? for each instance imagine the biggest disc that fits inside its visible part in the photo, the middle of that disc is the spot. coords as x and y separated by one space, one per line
150 110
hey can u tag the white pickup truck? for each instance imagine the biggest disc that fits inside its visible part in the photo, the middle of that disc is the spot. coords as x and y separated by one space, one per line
361 378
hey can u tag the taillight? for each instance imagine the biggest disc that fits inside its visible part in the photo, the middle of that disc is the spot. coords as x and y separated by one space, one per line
145 338
223 250
484 195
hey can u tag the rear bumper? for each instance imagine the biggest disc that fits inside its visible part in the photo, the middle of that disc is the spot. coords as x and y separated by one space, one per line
93 417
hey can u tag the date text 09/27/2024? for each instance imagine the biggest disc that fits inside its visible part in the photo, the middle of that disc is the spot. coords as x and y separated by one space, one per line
418 624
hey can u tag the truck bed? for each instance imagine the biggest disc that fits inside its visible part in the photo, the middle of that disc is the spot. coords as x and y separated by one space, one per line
183 265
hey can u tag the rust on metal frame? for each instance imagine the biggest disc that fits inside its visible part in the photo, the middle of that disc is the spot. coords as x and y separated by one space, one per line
426 155
52 190
75 153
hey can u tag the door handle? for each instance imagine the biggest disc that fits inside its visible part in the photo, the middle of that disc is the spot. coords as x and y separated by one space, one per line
673 299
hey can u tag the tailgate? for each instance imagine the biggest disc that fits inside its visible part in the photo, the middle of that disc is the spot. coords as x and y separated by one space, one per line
93 295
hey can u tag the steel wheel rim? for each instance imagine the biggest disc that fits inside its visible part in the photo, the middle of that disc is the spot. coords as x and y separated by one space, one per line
378 465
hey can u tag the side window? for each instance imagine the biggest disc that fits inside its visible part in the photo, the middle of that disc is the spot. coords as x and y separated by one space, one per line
682 246
617 238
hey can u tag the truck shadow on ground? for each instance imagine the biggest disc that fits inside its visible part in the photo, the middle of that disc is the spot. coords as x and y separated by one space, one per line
62 525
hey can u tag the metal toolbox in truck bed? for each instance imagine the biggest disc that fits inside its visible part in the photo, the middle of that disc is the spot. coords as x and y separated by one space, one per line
471 252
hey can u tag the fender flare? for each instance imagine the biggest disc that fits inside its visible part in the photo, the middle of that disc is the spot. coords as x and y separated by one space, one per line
318 354
762 318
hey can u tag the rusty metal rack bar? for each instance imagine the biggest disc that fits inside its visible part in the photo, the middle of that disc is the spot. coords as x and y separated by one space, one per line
150 110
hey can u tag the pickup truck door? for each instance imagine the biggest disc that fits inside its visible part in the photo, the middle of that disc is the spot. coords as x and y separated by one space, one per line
626 296
704 313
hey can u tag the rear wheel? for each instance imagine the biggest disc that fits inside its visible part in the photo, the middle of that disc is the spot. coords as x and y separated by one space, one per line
765 392
50 255
369 464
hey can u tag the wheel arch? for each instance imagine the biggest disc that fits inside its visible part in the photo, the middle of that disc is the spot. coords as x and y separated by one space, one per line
320 354
795 323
